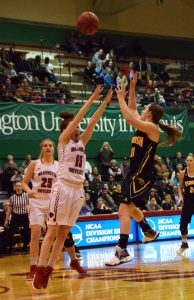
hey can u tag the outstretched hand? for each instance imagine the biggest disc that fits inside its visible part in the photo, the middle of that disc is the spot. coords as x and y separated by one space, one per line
121 93
97 93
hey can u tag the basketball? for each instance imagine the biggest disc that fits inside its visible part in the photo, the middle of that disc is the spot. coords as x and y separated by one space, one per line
88 23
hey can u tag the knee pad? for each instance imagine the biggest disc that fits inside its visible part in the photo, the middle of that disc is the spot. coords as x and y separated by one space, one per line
69 242
183 229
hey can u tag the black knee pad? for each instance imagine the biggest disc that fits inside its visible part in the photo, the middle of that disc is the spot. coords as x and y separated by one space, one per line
183 229
69 242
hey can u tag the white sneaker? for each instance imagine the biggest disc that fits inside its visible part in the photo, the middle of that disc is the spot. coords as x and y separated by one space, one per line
182 248
150 235
121 256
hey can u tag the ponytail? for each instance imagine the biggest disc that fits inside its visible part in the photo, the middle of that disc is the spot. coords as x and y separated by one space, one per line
173 134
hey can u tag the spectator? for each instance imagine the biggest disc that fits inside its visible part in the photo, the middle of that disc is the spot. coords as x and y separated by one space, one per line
85 210
93 173
121 80
7 175
169 165
152 205
168 204
112 183
24 90
18 207
170 93
117 194
48 67
8 92
115 170
89 72
6 164
101 208
108 200
178 160
104 157
110 56
124 166
109 80
153 194
96 186
98 57
26 162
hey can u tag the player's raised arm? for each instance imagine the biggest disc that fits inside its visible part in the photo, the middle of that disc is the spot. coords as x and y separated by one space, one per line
66 134
131 97
86 135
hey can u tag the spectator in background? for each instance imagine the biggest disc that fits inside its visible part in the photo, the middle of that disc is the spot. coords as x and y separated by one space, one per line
104 157
85 210
101 208
124 166
148 97
89 72
26 162
93 173
178 160
112 183
24 90
117 194
48 67
6 164
98 57
152 204
170 93
114 170
7 175
18 207
8 92
153 194
121 80
96 186
110 56
23 68
169 165
167 203
100 72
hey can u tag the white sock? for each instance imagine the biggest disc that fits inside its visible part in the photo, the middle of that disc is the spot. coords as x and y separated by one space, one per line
33 261
184 240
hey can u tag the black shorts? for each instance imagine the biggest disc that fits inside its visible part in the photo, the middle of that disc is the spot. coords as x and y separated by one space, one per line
136 190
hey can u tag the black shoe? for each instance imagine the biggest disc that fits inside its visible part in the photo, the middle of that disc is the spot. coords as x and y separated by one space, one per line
182 248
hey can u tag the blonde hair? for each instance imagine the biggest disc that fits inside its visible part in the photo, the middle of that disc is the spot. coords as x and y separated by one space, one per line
41 145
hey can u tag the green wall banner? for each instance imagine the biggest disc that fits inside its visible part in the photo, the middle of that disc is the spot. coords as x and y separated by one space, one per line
26 121
24 125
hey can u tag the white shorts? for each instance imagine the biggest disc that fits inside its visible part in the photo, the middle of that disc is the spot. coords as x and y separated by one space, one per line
65 204
38 212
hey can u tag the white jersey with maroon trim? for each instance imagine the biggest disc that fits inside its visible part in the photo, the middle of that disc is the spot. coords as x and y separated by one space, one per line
44 177
72 161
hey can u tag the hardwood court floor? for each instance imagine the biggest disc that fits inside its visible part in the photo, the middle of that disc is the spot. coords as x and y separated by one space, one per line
156 272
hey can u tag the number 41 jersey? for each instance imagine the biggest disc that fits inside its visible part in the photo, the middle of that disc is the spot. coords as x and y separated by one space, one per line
44 177
72 161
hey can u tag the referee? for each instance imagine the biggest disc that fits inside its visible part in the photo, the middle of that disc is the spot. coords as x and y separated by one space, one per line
18 207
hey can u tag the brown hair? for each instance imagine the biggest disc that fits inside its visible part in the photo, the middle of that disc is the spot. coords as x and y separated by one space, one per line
67 117
173 134
41 145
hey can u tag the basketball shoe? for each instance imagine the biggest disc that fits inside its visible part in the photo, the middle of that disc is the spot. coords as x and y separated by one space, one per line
30 275
121 256
74 264
47 272
182 248
38 280
150 235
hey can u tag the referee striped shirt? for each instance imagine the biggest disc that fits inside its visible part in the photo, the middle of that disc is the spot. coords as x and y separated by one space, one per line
19 203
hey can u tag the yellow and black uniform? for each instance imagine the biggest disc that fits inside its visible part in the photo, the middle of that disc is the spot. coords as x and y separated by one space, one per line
188 204
141 172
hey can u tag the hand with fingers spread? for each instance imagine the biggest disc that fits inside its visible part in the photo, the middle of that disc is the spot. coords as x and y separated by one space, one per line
97 93
121 93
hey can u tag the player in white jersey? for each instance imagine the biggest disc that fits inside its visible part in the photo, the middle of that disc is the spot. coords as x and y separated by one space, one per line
67 193
42 173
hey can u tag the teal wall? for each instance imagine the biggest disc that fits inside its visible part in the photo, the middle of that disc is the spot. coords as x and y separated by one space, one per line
31 34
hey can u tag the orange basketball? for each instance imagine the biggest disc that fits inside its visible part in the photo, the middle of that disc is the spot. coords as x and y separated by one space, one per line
88 23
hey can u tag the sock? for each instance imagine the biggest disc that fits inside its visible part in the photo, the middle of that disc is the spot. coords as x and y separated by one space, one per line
144 225
33 261
42 262
184 240
123 241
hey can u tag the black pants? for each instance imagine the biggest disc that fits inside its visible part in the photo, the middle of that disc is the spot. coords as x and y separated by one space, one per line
16 222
